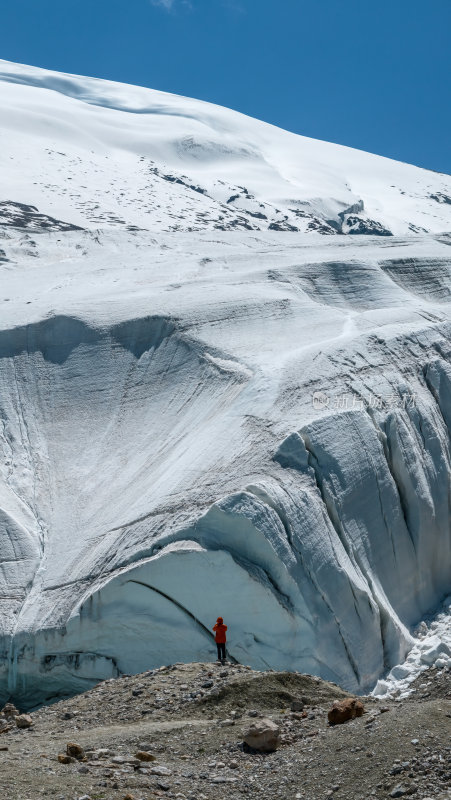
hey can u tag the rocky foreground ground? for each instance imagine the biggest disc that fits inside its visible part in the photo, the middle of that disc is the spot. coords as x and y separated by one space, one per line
177 732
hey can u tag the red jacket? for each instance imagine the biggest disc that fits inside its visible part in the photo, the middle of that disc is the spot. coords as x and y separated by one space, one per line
220 632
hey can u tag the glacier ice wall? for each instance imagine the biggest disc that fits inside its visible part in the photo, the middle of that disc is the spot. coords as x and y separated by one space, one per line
259 446
225 388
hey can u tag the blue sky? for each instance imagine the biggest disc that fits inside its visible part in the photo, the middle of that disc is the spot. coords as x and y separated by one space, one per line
373 75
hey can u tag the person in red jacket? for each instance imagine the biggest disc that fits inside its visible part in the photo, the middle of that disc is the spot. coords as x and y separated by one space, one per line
220 638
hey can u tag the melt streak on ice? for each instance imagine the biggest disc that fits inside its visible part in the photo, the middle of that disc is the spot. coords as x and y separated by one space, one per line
225 372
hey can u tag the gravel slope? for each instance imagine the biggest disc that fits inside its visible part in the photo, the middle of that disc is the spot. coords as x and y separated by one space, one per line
191 717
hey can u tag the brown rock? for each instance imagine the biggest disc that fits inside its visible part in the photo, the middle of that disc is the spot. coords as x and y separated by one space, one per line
344 710
75 751
143 755
4 727
65 759
23 721
263 735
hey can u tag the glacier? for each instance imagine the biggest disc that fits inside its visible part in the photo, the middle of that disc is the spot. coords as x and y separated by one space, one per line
225 370
431 647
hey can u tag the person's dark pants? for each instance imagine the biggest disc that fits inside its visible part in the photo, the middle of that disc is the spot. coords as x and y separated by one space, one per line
221 651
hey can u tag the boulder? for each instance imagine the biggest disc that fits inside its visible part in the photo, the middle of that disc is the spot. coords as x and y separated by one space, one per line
297 705
75 751
23 721
344 710
263 735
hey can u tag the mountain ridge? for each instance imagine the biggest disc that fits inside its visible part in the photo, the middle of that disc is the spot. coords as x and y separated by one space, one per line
217 170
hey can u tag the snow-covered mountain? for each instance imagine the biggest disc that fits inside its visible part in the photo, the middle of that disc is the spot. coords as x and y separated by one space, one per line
212 401
95 153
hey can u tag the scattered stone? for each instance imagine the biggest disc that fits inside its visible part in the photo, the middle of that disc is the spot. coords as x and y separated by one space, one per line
299 715
143 755
23 721
344 710
10 710
75 751
263 735
160 771
399 791
63 758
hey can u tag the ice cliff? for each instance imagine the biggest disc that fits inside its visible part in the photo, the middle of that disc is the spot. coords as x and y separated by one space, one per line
225 370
